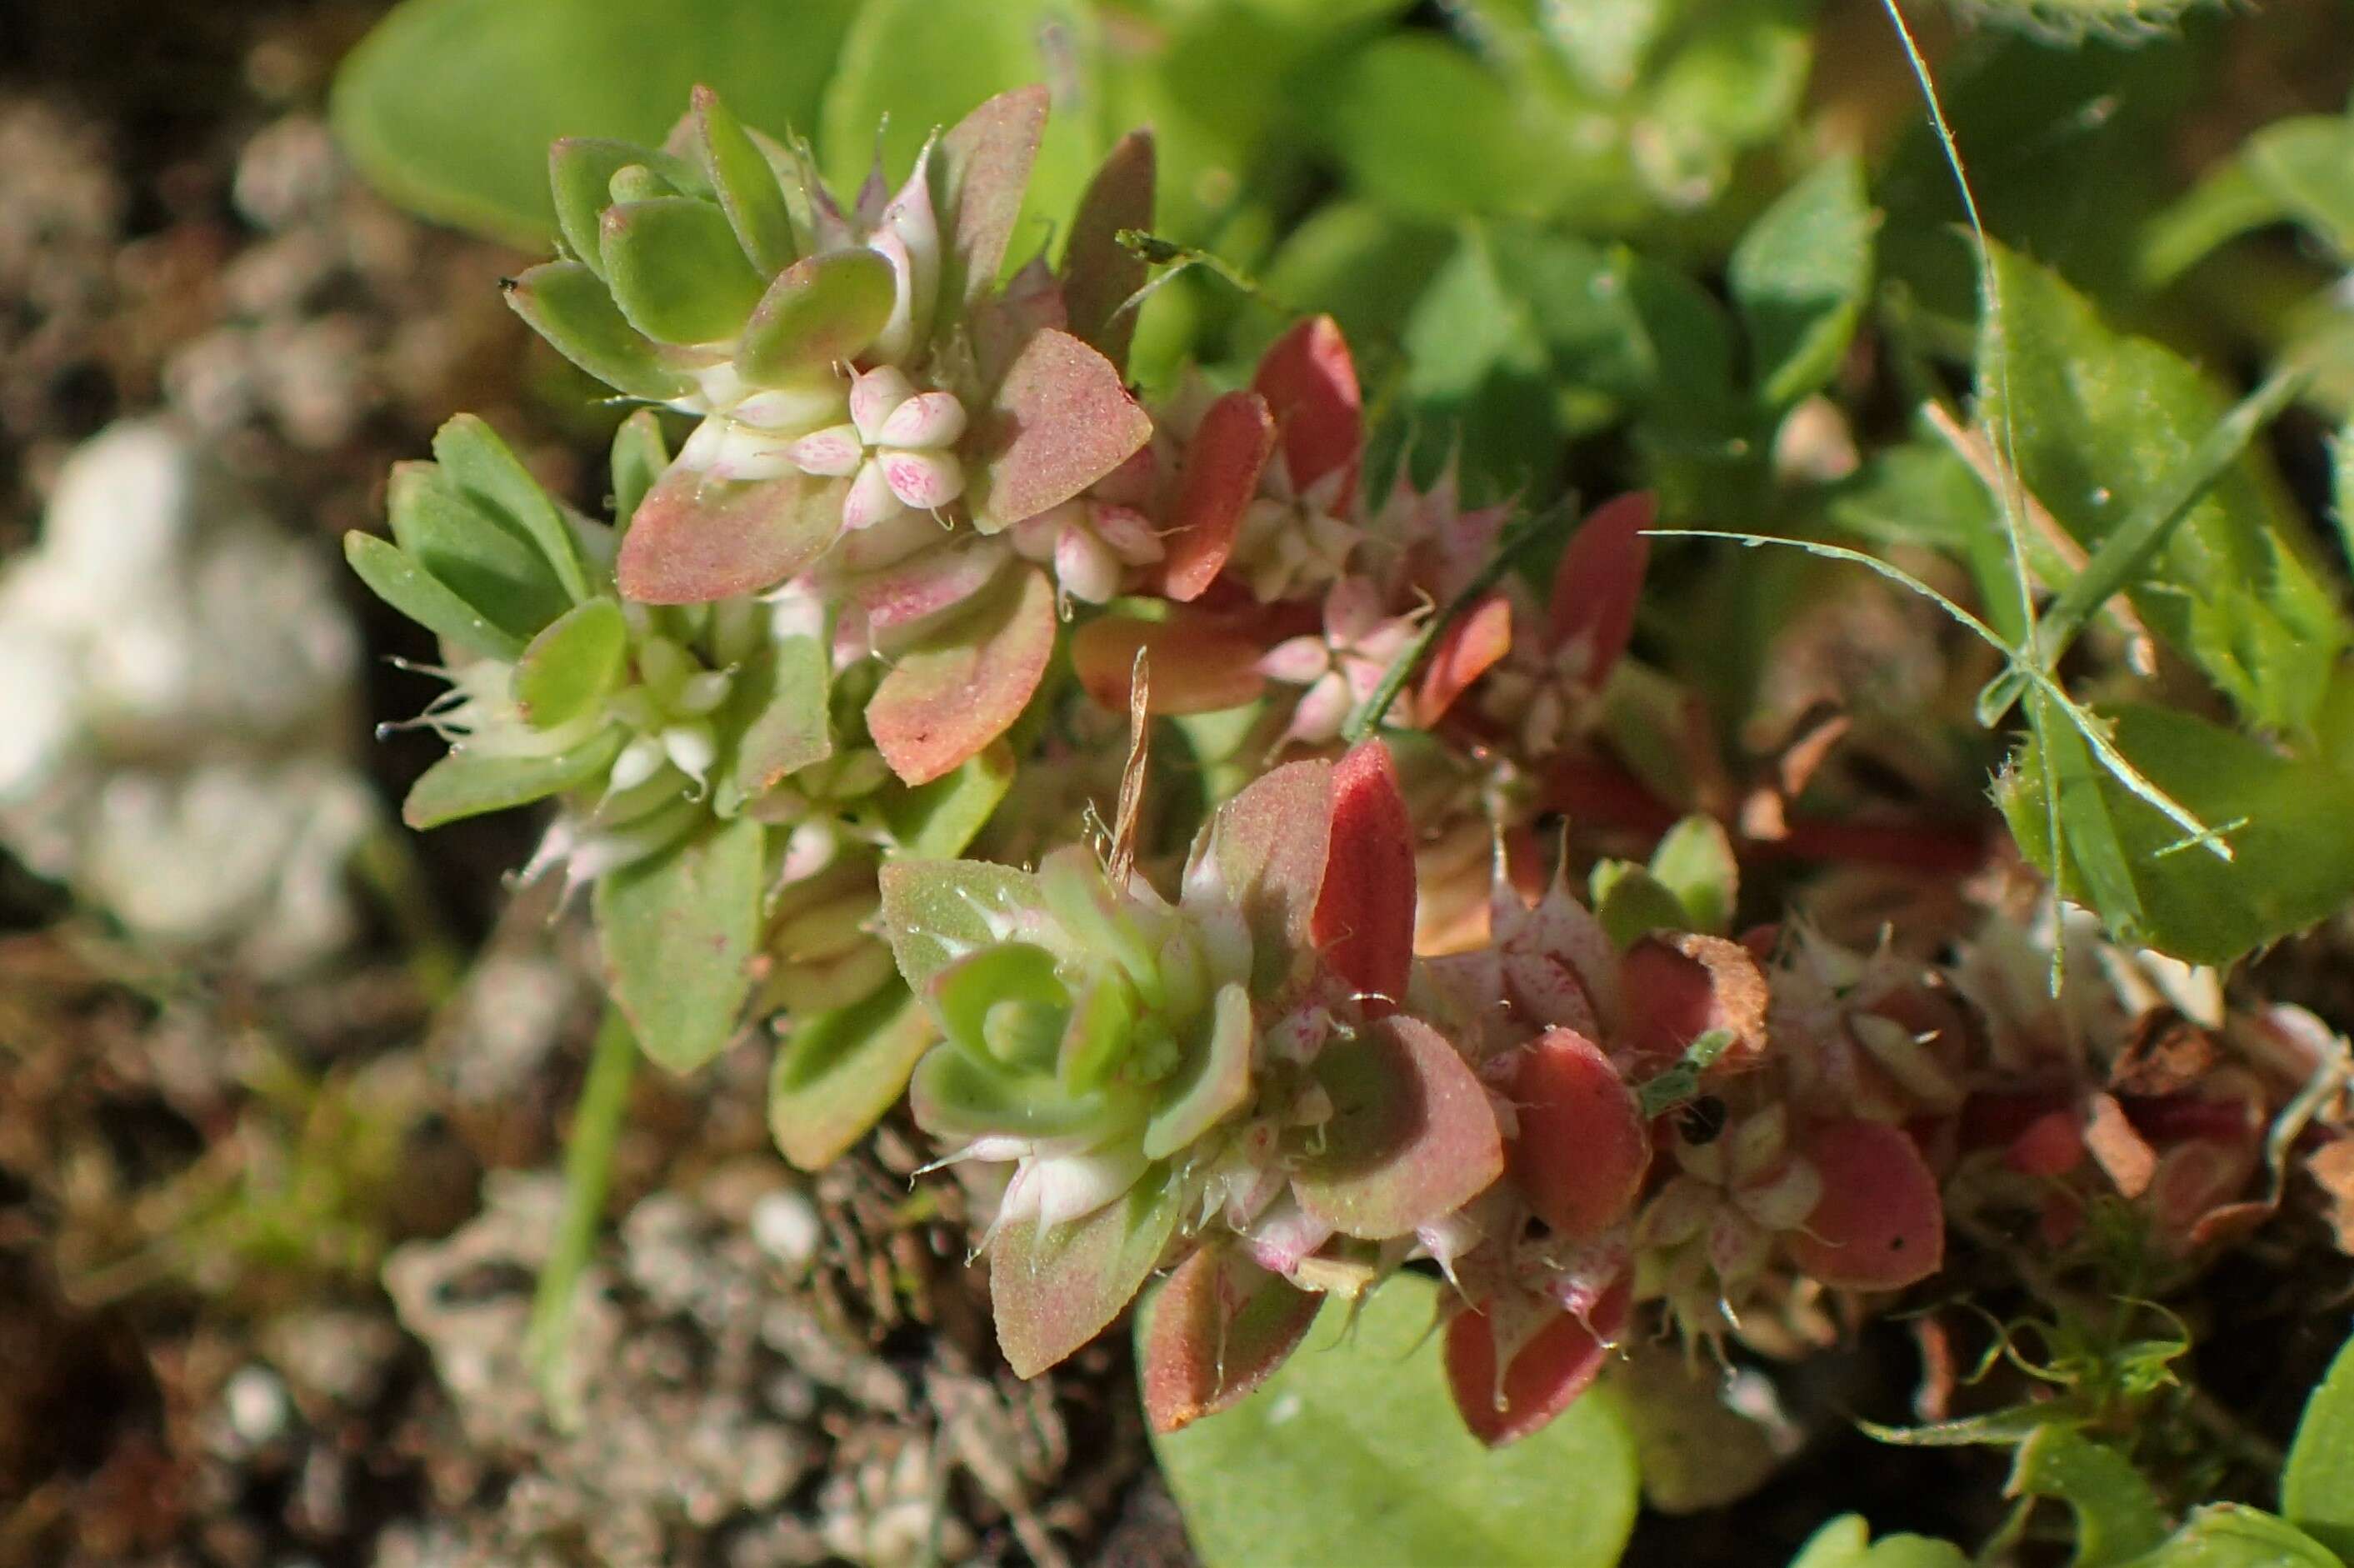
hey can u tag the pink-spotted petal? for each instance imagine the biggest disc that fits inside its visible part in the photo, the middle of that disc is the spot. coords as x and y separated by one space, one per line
870 500
874 396
926 480
835 452
1297 661
927 420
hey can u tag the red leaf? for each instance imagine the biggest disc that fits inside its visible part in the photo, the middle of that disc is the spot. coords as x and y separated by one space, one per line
1881 1223
1059 421
949 696
1310 382
1411 1136
1268 847
1584 1147
1199 665
1676 989
1599 580
695 539
1468 649
1551 1371
1099 273
1364 913
1220 1328
987 156
1215 482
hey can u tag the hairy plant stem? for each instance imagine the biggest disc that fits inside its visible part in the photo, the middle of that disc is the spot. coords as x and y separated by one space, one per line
587 1174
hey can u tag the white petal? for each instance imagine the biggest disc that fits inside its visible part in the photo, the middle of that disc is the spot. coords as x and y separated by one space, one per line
1084 568
1297 660
926 480
927 420
1322 711
1128 532
640 760
833 452
873 398
870 500
692 749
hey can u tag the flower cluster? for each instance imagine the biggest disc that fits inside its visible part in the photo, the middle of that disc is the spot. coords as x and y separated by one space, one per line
1322 1003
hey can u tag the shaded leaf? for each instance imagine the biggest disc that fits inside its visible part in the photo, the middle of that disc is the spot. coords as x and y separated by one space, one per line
569 306
640 456
1309 381
837 1073
2317 1485
1467 649
1100 274
1881 1223
492 480
1351 1453
478 554
2231 1535
942 817
820 312
1200 663
781 697
1600 579
572 665
1800 276
1546 1376
1216 1331
1269 847
678 931
468 783
2117 1515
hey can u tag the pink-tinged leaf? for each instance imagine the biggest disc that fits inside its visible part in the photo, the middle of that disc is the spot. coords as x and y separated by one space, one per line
1364 911
1411 1136
1059 421
1881 1224
951 695
1309 380
1552 1370
1675 988
1466 650
1215 481
1220 1328
1099 273
932 583
985 161
696 539
1052 1292
2050 1144
1267 849
1199 665
1584 1147
1600 579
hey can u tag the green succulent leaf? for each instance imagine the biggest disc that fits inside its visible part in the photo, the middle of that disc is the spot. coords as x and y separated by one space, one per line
393 576
678 931
2230 1535
2317 1487
449 106
937 910
640 456
478 554
1631 904
836 1073
490 477
779 699
469 784
745 184
2117 1516
1695 863
1352 1452
676 270
1800 276
569 306
1213 1084
573 665
939 818
1846 1543
821 310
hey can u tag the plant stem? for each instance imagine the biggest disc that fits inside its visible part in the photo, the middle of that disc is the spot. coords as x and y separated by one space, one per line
588 1174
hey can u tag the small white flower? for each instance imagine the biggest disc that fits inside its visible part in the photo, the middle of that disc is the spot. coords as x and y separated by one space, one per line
897 448
1343 666
1090 543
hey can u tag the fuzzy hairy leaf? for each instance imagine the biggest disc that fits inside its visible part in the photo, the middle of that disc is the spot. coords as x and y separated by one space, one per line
695 539
1411 1136
951 695
1052 1291
1060 421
